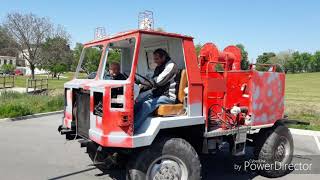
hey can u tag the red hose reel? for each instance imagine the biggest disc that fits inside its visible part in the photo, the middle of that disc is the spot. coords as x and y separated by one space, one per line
231 55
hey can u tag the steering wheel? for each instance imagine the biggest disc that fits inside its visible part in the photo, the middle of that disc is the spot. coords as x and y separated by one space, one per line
149 83
137 81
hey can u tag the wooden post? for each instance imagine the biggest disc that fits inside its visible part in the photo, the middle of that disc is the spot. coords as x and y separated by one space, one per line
27 84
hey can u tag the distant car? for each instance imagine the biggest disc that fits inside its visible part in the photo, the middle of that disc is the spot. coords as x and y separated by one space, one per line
18 72
94 74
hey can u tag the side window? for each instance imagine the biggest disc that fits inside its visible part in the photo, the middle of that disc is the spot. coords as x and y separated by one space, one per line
114 57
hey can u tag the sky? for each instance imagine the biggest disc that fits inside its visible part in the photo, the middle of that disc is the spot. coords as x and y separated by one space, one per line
261 26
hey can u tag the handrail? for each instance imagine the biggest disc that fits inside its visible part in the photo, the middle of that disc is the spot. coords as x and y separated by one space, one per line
34 83
7 80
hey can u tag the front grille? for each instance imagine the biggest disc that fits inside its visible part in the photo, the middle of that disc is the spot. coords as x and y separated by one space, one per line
83 113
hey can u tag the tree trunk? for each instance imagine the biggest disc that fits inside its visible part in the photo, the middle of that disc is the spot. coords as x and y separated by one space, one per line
32 68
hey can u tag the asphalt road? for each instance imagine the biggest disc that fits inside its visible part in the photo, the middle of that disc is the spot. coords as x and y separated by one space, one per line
33 149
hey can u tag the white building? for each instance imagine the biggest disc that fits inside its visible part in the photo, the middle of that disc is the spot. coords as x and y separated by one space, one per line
20 62
26 67
8 60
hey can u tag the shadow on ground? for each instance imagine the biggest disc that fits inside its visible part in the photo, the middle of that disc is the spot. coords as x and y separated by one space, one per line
218 166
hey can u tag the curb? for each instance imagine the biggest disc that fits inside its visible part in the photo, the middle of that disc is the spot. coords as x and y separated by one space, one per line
304 132
31 116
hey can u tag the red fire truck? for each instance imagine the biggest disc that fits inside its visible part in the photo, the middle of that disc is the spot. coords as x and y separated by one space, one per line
218 103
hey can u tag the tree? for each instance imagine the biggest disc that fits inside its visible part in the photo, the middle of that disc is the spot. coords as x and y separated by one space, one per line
57 69
198 48
56 56
244 57
283 59
91 59
265 57
296 62
30 32
316 61
114 55
7 68
160 29
76 52
7 45
306 59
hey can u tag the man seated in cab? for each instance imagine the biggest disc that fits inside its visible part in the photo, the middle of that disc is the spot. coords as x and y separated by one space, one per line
162 89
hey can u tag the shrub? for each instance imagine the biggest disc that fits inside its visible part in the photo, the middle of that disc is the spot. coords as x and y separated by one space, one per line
13 104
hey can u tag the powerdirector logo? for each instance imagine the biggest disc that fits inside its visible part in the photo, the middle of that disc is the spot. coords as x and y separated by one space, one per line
300 164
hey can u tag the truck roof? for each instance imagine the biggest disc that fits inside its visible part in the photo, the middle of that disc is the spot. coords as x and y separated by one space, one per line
152 32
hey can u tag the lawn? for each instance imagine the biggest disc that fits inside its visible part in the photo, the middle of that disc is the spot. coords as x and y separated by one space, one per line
20 81
303 98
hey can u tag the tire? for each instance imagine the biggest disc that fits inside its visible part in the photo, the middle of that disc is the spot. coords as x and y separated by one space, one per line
170 157
272 146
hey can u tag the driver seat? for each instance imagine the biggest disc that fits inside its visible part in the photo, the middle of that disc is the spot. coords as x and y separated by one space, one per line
175 109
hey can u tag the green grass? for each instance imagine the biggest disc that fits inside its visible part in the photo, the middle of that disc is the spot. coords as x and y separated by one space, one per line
20 81
302 99
13 104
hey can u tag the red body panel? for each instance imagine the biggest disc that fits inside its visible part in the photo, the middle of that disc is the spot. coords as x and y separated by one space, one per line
267 97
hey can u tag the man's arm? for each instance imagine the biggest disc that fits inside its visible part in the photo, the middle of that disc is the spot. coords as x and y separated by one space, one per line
166 75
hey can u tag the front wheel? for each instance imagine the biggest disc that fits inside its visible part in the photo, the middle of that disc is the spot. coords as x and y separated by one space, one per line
274 149
171 158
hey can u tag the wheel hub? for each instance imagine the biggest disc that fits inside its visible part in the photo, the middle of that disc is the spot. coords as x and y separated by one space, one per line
167 169
281 150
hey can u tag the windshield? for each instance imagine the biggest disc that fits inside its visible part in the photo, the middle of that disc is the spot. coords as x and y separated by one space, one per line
89 62
116 63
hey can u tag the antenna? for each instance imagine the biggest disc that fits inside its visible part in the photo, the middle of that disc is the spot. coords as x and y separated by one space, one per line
100 32
145 20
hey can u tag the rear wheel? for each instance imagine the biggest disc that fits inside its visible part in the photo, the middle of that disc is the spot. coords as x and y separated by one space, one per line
171 158
274 147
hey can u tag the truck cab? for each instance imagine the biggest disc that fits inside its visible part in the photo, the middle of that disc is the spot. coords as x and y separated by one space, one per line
112 125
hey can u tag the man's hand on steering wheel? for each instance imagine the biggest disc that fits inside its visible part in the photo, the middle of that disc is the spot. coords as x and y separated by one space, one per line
146 81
